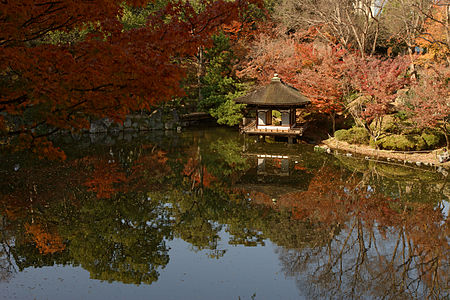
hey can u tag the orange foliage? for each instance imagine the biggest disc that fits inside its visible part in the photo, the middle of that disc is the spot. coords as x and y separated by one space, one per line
106 174
198 173
435 37
300 168
152 165
46 242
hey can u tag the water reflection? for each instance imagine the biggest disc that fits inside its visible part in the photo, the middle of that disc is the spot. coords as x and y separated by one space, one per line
343 227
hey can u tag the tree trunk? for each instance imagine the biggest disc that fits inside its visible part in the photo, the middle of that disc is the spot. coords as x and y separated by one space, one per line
333 121
200 73
412 66
447 138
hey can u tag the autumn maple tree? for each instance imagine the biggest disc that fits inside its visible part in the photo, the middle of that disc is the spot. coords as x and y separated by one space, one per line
323 80
272 52
105 72
378 81
429 101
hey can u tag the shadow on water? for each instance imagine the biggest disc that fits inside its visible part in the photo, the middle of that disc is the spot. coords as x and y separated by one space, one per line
343 228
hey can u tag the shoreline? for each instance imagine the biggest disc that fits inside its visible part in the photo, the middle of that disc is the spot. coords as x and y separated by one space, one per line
424 158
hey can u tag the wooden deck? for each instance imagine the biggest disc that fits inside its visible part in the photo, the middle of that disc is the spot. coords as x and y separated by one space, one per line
251 129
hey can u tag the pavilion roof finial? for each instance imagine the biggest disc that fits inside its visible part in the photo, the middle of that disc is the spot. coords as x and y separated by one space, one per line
275 78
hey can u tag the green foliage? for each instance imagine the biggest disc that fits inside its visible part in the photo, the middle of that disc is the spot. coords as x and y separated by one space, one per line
402 115
67 37
390 124
133 17
433 138
136 17
219 85
429 139
228 113
354 135
402 142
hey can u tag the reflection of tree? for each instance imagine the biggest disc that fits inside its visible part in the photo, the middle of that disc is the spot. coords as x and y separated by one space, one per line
7 268
46 242
346 232
398 181
385 249
228 159
121 239
194 218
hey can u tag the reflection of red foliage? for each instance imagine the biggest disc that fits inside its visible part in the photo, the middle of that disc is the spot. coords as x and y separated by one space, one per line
332 198
260 198
152 165
277 163
46 242
300 168
105 176
198 173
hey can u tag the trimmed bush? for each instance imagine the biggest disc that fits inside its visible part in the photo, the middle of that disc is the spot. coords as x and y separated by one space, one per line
433 139
354 135
402 142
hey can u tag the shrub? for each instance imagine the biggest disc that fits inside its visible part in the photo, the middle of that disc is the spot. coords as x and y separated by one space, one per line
354 135
402 142
433 139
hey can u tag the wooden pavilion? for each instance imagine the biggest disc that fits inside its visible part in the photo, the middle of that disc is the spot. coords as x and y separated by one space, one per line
275 96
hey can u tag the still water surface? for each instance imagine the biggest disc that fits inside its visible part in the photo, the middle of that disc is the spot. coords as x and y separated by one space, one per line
206 215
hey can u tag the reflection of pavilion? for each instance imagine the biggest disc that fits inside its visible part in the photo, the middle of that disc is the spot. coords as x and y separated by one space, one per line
274 178
282 161
277 96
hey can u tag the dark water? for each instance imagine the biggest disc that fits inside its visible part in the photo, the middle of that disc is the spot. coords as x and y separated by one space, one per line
203 215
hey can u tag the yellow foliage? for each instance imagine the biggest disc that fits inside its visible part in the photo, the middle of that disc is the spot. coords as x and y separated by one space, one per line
435 37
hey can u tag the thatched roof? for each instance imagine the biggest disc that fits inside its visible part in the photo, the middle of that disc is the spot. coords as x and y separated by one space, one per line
277 93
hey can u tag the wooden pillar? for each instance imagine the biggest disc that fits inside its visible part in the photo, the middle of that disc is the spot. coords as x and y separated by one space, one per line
269 117
293 117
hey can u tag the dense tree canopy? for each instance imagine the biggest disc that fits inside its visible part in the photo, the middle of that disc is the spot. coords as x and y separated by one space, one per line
64 64
101 71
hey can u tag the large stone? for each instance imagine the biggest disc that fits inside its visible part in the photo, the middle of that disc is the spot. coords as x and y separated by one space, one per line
400 99
107 122
98 127
175 116
444 157
169 125
127 123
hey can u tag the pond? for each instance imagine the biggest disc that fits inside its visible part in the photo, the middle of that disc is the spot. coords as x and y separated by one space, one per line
205 214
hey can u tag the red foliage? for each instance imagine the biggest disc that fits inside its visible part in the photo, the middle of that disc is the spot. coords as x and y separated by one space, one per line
108 74
430 100
379 80
105 177
323 78
272 52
